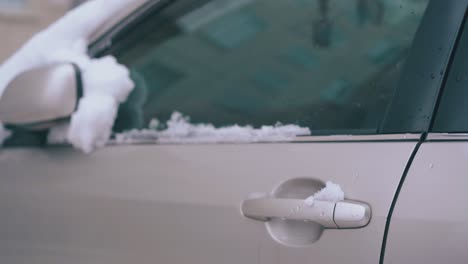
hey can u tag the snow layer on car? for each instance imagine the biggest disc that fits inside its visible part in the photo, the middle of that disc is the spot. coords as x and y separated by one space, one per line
331 192
180 130
106 83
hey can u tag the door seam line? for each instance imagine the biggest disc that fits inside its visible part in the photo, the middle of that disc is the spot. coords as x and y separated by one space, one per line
395 198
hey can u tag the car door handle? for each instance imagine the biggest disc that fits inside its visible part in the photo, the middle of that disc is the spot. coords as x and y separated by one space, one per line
341 214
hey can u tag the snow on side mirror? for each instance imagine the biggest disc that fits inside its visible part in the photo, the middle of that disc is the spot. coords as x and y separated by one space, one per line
39 97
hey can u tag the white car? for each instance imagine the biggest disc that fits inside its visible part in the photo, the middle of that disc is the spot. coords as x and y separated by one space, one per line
382 86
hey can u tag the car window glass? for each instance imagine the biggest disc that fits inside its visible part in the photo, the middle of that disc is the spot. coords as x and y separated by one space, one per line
451 115
328 65
331 66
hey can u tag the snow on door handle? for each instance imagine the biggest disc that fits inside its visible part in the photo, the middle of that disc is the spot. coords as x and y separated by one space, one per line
342 214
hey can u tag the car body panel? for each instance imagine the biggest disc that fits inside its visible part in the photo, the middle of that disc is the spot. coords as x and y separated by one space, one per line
430 221
181 204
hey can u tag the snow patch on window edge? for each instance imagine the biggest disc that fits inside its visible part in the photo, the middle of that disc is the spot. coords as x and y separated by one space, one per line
180 131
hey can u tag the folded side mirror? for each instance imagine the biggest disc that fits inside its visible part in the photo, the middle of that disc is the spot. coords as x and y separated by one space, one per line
39 97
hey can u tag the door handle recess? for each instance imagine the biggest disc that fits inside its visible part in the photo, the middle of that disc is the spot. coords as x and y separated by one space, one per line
342 214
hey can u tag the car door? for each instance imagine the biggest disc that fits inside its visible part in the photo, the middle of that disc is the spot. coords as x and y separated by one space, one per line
430 223
334 68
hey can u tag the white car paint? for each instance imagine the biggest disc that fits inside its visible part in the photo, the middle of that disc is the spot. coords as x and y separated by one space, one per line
180 203
430 221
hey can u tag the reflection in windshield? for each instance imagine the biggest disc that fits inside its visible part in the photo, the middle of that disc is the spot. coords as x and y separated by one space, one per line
367 10
324 64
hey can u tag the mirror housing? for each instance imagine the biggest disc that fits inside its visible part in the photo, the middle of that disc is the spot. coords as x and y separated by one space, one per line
40 97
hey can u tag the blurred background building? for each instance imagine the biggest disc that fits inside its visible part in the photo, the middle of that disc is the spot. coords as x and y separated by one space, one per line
20 19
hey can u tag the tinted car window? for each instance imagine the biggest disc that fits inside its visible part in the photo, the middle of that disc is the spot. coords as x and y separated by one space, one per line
451 115
331 66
